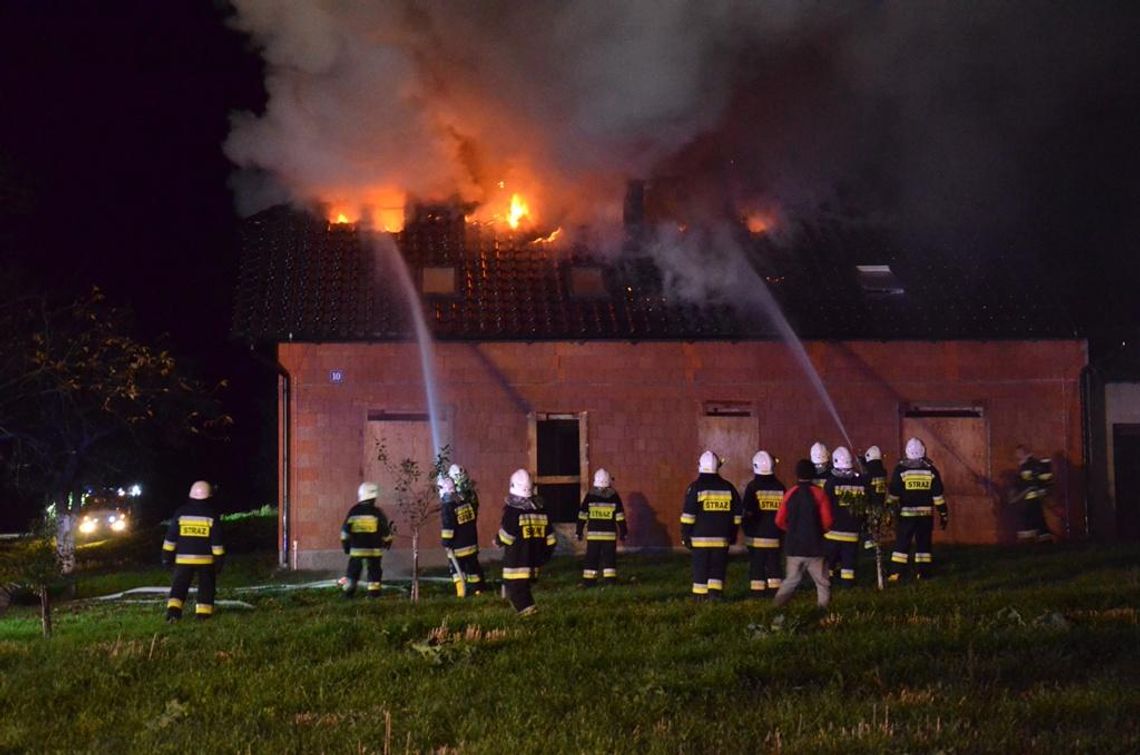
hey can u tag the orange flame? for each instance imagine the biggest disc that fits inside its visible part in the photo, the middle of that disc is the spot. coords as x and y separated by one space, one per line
549 239
519 210
341 218
758 222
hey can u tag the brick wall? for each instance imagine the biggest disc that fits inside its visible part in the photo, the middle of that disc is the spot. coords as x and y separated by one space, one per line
644 402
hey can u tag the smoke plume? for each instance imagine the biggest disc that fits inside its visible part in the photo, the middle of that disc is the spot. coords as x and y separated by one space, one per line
946 119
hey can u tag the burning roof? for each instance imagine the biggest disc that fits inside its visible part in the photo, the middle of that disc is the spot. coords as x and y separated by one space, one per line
306 279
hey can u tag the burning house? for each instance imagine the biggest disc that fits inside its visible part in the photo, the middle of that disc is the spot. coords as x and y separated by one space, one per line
552 357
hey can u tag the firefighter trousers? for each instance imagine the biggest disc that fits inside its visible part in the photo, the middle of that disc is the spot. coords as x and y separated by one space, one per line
919 529
519 594
601 561
180 588
356 566
709 565
841 558
472 573
1034 525
764 569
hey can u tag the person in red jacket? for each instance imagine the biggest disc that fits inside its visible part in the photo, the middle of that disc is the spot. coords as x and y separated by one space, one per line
804 516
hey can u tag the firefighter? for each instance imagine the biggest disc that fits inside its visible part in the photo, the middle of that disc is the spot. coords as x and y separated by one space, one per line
847 493
820 457
804 516
364 536
709 519
193 545
464 486
916 487
602 518
760 502
1034 478
528 539
876 474
460 535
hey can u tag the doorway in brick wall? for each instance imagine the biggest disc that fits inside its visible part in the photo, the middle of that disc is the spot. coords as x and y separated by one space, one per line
405 435
558 455
1126 479
957 440
731 430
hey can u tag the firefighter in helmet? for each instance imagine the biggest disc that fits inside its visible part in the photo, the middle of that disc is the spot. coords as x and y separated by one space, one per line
460 536
820 459
602 519
709 519
847 493
760 502
528 540
464 486
193 546
916 488
1034 478
364 536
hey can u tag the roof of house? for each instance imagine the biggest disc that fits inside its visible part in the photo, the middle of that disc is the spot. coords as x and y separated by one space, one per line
304 279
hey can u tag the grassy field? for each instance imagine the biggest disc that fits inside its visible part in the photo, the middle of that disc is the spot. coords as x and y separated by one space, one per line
1007 651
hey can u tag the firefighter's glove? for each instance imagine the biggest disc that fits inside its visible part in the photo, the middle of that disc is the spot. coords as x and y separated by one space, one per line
167 562
579 536
219 562
687 542
943 520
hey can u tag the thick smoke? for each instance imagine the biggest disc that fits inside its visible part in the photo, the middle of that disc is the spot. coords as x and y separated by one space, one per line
945 119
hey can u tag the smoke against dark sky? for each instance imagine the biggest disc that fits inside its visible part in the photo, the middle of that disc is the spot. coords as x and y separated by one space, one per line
945 118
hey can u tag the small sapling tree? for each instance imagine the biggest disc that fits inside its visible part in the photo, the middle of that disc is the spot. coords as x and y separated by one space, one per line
416 498
875 515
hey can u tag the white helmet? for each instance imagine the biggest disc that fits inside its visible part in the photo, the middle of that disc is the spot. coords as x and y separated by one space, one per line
602 479
201 490
762 463
367 491
709 463
915 450
841 459
446 485
872 453
818 453
457 473
521 485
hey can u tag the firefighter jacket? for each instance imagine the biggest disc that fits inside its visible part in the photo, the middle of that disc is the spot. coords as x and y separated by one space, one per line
601 515
366 531
459 530
759 505
822 475
527 537
711 513
916 487
193 537
847 492
876 475
1034 478
465 489
804 515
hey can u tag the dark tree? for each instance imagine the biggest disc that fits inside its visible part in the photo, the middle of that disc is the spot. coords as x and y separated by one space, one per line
81 399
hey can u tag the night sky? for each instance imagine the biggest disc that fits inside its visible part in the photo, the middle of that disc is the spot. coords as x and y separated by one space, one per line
112 174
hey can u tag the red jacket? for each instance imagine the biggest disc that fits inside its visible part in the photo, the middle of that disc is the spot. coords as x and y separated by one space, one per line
805 527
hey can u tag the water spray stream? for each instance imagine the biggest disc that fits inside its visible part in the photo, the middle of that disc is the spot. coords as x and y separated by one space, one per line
795 345
385 247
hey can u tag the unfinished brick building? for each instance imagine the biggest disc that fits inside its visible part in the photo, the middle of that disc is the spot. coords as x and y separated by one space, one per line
561 363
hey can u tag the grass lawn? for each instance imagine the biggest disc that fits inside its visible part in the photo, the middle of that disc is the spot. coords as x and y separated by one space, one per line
1007 651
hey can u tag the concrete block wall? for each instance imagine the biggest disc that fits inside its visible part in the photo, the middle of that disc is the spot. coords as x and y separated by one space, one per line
644 401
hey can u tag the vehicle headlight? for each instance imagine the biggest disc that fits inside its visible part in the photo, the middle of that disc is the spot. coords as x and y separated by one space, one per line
87 526
119 525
